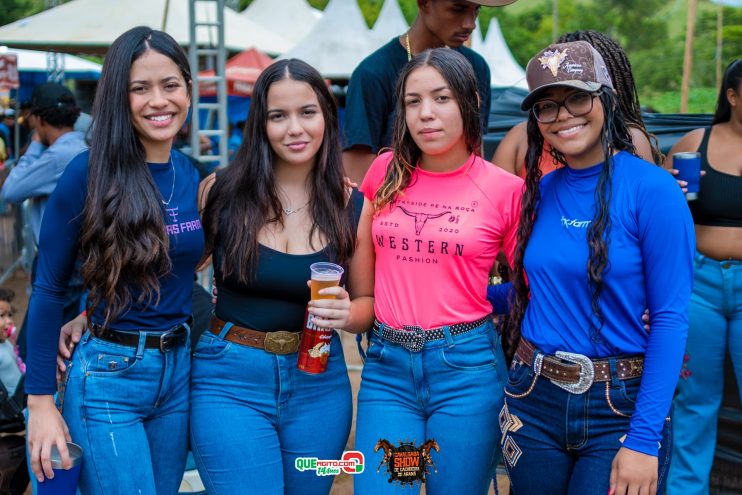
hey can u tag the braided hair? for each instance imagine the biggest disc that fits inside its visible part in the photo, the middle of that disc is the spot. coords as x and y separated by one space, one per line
615 136
619 68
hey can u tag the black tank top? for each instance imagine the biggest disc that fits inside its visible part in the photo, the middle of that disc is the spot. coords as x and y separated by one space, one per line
277 297
719 202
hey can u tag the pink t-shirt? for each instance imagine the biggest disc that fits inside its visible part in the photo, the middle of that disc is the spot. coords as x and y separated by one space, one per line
435 246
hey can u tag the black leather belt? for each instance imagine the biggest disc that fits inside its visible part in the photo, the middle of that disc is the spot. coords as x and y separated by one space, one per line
413 337
164 341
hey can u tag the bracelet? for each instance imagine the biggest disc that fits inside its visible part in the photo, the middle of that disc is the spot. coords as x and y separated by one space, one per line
494 280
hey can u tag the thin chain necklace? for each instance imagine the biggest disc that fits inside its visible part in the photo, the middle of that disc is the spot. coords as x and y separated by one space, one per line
172 189
291 211
407 45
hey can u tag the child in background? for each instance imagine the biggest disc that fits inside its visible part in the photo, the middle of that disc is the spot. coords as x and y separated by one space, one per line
11 367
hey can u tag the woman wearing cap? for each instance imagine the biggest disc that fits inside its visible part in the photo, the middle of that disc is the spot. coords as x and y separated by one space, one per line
434 372
716 305
128 208
589 390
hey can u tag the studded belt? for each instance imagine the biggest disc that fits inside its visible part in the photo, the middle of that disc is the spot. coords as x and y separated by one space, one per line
574 372
281 342
414 337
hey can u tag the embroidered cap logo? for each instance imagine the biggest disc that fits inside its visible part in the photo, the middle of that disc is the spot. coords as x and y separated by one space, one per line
552 60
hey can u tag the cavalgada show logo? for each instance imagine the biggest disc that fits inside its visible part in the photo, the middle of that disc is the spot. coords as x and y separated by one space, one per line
406 463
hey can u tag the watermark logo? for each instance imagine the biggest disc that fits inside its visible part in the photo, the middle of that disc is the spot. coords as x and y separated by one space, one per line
351 463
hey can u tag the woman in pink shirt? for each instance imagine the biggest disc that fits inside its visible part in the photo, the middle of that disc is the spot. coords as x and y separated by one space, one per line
434 372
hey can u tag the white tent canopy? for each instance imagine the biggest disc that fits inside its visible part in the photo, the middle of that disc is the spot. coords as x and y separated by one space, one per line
294 19
35 61
338 42
390 23
92 25
505 70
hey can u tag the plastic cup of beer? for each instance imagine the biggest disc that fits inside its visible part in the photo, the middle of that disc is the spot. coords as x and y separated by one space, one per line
324 275
65 480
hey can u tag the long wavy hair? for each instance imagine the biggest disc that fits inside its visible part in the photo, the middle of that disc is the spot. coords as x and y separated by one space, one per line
619 69
244 197
732 80
459 75
615 136
123 241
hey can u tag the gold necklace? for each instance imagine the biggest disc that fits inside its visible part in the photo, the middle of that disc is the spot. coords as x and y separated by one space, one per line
407 45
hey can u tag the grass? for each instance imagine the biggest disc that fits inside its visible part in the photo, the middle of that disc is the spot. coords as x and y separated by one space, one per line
700 100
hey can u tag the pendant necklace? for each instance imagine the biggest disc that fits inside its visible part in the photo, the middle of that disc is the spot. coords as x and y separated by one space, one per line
172 189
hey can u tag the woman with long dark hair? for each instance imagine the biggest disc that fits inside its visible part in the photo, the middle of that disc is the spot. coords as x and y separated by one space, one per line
605 236
715 313
279 207
434 371
128 207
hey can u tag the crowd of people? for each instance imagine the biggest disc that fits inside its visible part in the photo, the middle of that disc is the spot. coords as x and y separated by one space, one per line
567 386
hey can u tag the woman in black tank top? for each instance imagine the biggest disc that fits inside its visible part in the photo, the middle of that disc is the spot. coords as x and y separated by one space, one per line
257 421
715 313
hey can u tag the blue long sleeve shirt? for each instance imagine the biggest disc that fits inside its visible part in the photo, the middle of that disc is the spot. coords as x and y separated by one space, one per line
651 247
37 172
58 248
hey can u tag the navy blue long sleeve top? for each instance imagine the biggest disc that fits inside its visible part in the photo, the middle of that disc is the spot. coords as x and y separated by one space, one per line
59 245
650 265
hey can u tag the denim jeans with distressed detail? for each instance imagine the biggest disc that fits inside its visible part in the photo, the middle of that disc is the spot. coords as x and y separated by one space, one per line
450 392
556 442
127 407
253 413
715 327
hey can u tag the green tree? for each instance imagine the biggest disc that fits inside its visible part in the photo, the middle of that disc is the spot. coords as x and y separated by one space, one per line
12 10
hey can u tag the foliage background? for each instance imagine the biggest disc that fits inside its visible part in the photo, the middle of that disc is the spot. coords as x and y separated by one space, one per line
651 31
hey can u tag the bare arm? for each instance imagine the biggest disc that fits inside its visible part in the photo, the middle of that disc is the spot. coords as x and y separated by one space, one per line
511 152
356 161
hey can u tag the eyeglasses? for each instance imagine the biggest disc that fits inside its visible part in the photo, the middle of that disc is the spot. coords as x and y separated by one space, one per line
577 104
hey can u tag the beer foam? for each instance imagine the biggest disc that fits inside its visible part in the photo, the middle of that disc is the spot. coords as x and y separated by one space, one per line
326 276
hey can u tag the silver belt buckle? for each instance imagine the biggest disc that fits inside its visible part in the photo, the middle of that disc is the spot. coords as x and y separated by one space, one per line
587 373
417 334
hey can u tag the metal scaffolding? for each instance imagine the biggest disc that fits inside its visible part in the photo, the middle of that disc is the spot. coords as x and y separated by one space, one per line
206 18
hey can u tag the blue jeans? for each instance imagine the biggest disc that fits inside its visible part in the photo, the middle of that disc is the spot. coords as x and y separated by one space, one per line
556 442
127 407
253 413
715 319
449 392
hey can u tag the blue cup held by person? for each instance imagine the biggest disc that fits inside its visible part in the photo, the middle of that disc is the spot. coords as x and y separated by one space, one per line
65 480
688 165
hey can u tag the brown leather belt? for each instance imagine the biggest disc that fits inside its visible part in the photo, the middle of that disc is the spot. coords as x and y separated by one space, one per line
281 342
575 372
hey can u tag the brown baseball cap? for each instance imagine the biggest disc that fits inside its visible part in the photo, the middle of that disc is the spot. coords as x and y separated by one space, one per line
493 3
576 64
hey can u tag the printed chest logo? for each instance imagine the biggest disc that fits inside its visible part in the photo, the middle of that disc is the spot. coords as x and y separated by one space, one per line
428 244
406 463
422 218
176 227
568 223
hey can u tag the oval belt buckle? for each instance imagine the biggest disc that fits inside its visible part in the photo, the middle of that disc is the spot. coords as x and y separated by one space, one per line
417 336
587 373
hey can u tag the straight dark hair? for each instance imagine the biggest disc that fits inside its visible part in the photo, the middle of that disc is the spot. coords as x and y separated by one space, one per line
459 75
123 241
615 136
732 80
244 197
